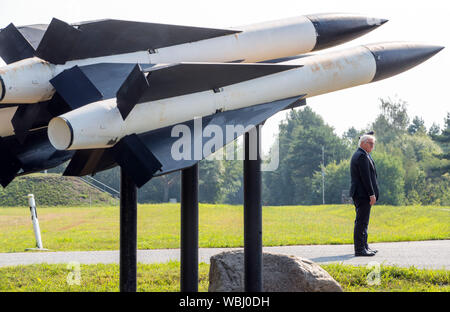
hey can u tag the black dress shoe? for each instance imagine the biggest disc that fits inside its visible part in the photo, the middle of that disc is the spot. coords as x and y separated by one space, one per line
364 253
372 250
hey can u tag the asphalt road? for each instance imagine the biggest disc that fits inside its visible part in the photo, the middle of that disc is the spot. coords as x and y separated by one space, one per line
424 254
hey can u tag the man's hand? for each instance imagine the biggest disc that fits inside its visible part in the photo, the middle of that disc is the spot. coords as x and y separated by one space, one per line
373 200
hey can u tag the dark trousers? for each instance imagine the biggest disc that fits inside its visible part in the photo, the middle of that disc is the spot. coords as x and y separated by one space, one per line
362 208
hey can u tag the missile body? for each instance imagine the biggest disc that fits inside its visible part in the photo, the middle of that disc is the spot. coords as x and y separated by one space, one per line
28 80
100 124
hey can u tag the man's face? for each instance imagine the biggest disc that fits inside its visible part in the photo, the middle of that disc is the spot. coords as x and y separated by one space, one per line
368 145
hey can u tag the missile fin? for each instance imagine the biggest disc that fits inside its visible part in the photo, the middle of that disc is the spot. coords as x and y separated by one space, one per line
84 162
34 155
10 165
62 42
108 77
37 153
96 81
298 103
28 116
131 91
75 88
58 42
110 37
185 78
13 45
161 141
33 33
130 153
47 160
136 159
32 116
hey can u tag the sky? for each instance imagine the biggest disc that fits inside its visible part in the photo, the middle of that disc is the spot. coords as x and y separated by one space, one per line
425 87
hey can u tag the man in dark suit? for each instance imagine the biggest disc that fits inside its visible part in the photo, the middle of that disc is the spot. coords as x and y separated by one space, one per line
364 191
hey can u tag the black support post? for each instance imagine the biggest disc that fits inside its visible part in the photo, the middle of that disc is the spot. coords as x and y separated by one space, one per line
189 230
253 281
128 233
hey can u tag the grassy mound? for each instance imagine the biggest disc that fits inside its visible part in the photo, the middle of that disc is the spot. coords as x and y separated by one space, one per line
52 190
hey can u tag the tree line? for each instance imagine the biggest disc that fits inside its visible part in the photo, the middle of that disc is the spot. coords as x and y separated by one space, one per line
412 163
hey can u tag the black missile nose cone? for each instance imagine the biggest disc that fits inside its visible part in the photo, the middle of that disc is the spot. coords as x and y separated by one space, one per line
393 58
336 28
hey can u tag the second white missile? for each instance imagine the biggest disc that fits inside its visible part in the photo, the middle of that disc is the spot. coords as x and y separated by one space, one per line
100 124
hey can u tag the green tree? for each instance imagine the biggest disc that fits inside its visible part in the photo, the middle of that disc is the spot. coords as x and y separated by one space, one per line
444 138
434 130
390 178
337 181
417 126
351 137
441 166
419 147
392 122
300 148
232 182
210 180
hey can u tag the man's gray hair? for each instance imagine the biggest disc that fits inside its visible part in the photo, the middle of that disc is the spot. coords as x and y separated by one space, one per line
365 137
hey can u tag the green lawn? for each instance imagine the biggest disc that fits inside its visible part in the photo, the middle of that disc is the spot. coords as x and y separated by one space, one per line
97 228
165 277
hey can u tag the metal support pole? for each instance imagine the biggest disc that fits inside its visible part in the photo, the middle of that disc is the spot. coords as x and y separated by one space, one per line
128 233
252 213
189 230
323 176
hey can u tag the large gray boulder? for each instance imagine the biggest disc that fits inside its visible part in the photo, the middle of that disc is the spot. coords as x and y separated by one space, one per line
281 273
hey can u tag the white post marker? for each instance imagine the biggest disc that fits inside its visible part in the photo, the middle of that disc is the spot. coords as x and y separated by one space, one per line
34 219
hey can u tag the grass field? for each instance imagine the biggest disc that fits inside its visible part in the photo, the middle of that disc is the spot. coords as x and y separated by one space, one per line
97 228
165 277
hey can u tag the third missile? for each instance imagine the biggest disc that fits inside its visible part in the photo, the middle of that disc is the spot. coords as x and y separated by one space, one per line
61 46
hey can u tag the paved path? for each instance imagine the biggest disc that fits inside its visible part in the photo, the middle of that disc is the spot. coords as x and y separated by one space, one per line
423 254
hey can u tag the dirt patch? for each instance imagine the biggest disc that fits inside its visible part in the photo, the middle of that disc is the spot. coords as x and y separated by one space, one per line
68 227
6 221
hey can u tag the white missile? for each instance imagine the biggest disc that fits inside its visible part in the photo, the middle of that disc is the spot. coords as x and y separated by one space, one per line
101 124
28 80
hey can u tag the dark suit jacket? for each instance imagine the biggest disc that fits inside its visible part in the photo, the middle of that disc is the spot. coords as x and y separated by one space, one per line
364 176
